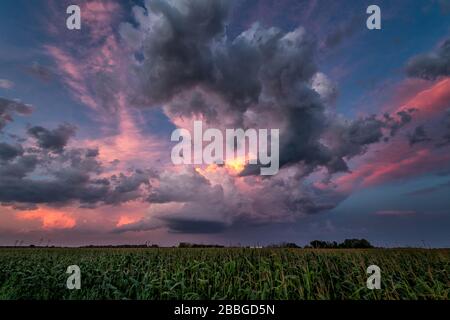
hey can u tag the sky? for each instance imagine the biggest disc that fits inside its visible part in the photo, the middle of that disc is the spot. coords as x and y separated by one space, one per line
86 118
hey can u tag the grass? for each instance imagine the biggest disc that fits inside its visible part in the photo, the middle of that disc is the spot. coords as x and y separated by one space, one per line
224 273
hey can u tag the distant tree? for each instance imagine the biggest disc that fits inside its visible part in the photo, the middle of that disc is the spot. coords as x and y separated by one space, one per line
347 244
322 244
356 244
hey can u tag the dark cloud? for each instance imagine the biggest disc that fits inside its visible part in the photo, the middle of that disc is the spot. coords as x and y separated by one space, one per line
445 140
92 153
183 187
176 48
66 185
53 140
191 204
347 139
361 133
8 152
432 65
129 187
9 108
31 175
418 135
181 53
262 78
18 169
201 205
403 118
186 219
326 88
193 105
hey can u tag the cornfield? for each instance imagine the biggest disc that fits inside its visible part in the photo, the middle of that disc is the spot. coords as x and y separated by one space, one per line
244 274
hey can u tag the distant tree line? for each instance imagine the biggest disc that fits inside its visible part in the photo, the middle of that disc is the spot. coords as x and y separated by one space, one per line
316 244
347 244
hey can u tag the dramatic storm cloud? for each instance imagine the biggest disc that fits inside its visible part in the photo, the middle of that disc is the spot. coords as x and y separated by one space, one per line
432 65
49 172
262 78
94 155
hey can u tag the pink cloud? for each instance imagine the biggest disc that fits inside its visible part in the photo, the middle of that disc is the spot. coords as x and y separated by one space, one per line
102 219
96 50
108 95
72 75
99 16
430 101
397 159
129 145
49 218
127 219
